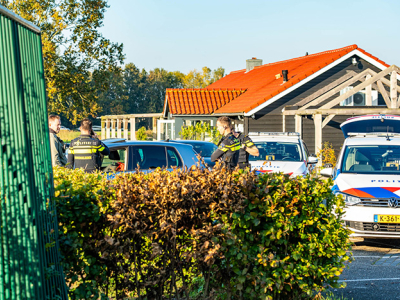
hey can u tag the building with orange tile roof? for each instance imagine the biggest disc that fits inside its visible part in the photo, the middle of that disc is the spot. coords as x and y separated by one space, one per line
255 97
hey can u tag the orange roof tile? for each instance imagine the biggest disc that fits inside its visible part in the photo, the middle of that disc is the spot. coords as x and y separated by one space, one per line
244 91
199 101
262 85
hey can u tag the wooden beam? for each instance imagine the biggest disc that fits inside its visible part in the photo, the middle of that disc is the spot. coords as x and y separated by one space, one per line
132 122
325 89
368 92
113 128
337 89
126 131
383 92
393 91
318 133
283 123
387 82
327 120
103 129
159 115
119 135
108 128
343 111
359 87
298 125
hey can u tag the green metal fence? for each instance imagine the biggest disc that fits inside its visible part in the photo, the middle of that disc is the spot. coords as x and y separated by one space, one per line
29 257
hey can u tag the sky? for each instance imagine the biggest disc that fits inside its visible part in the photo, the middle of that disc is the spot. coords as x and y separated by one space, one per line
179 35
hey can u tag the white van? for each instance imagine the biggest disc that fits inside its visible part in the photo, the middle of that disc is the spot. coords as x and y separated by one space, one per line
281 152
367 175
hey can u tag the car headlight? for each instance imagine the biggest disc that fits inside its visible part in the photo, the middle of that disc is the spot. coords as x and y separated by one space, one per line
348 199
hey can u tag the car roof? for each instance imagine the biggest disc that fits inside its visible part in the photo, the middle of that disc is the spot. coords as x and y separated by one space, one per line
190 142
275 138
141 143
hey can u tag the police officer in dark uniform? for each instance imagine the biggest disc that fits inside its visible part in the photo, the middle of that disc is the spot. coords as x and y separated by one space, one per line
247 148
84 151
228 146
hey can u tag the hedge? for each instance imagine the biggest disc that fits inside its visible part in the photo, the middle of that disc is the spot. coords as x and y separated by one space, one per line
199 234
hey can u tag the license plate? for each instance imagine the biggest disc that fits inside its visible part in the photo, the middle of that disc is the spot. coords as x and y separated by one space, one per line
387 218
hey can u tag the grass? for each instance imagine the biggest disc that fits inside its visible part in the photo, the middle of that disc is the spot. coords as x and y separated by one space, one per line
68 135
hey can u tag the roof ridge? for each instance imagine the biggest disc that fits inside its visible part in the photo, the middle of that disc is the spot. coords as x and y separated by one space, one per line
351 47
373 57
205 90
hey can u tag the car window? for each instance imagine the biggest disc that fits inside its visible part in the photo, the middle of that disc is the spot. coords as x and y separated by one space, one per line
374 159
205 150
279 151
115 161
147 157
174 159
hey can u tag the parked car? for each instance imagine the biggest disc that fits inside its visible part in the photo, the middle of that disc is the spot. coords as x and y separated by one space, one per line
367 175
127 156
281 152
64 128
97 128
203 148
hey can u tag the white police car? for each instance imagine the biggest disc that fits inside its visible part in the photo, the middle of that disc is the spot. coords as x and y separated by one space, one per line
367 175
281 152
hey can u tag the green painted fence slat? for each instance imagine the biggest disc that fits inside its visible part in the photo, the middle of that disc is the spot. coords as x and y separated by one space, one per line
29 257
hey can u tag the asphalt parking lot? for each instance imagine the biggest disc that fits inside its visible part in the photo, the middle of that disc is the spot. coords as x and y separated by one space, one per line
375 272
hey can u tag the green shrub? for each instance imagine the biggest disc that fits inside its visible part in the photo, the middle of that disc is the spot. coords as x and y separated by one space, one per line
81 210
199 132
287 243
141 134
214 234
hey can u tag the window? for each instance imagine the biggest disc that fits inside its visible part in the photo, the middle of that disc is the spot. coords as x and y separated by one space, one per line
115 161
376 159
147 157
174 160
280 151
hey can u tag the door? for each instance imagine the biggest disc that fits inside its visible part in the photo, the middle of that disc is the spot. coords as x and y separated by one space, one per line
165 129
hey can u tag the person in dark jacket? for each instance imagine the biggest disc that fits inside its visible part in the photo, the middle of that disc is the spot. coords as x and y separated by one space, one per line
228 146
57 145
84 151
247 148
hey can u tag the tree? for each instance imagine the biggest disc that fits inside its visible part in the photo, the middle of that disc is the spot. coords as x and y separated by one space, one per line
114 100
77 58
196 80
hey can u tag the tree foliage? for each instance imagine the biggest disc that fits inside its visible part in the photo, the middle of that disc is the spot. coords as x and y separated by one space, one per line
77 58
135 91
195 79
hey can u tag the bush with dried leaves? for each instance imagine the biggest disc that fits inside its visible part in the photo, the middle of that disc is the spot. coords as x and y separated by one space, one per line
150 236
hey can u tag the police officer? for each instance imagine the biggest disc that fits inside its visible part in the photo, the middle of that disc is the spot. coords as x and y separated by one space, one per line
84 151
247 148
228 146
57 145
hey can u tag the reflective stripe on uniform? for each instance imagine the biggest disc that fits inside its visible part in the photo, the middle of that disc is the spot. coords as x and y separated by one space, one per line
83 157
84 151
233 147
249 144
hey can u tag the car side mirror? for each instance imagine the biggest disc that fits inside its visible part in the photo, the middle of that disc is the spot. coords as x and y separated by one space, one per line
327 172
312 160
